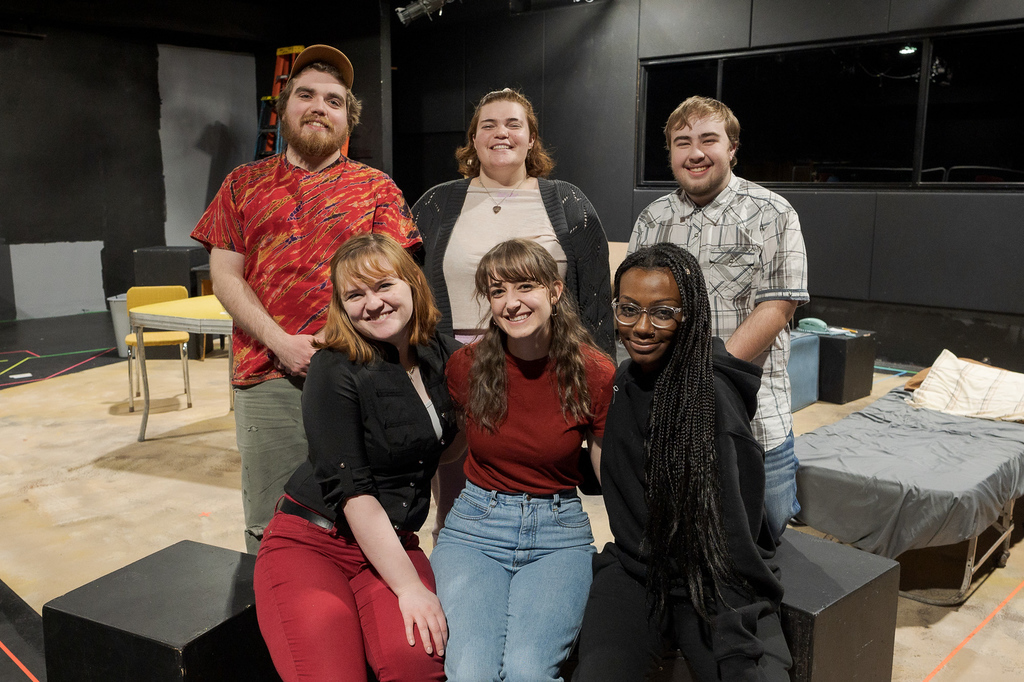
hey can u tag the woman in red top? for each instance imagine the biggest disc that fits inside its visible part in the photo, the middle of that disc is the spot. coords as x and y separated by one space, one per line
513 560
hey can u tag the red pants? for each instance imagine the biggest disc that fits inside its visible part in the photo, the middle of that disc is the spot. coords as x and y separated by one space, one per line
325 613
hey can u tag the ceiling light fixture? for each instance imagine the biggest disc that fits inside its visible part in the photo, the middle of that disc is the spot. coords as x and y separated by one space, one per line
420 8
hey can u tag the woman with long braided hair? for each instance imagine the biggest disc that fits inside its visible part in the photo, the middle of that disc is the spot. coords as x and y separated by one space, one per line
683 478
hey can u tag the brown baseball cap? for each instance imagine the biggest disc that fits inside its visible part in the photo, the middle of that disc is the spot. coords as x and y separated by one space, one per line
328 55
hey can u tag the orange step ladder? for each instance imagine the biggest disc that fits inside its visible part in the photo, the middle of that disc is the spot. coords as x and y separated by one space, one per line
269 141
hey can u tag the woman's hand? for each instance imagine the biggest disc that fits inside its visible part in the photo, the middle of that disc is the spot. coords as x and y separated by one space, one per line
421 609
419 606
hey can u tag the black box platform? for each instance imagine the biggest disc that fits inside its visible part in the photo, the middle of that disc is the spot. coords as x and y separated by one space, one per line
846 366
171 265
838 613
165 265
184 613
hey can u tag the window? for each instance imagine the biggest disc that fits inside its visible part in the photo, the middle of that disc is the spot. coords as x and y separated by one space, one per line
666 87
832 115
850 113
973 126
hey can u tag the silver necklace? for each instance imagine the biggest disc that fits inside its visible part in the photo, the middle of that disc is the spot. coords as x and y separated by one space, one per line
497 204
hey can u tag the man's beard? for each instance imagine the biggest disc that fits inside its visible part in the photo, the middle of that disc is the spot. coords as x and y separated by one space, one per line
313 143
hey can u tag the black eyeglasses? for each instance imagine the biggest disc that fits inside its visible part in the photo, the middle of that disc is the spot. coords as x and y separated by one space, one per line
661 316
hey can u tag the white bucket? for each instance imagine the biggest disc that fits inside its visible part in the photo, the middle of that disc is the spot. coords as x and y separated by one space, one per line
122 328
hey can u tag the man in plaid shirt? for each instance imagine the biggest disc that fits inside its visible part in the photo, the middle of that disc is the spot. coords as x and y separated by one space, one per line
748 242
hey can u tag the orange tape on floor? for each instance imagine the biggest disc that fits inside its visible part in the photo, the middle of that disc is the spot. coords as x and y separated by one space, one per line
974 632
18 663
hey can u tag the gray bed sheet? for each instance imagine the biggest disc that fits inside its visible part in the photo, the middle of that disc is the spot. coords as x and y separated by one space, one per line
891 477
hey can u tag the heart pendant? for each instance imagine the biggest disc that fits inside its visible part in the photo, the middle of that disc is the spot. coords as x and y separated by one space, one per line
497 208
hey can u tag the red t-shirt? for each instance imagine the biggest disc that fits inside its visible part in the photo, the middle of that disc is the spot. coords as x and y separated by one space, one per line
534 450
288 223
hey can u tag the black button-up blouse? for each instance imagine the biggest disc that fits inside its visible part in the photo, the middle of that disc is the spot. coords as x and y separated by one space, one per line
370 433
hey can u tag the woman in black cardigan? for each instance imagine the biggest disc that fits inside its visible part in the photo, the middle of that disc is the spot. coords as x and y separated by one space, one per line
691 565
505 194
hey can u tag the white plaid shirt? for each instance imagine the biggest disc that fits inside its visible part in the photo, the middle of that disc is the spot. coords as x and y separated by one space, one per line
748 243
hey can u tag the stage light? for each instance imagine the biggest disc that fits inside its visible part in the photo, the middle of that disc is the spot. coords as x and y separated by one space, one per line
420 8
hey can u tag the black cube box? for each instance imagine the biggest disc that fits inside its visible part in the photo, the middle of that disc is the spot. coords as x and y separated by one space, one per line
166 265
839 611
846 366
184 613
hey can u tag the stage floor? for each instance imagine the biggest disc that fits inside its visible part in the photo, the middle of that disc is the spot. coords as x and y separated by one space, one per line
80 497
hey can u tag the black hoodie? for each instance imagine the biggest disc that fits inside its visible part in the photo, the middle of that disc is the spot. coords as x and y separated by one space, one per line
736 646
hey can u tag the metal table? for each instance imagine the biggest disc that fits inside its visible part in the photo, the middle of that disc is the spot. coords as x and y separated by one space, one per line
198 315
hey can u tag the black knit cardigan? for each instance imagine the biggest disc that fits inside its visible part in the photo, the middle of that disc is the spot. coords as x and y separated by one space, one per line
577 228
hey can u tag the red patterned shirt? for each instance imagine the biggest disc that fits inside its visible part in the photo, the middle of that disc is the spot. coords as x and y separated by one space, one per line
288 222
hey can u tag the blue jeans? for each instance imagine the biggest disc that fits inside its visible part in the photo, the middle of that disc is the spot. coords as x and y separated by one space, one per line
780 503
513 573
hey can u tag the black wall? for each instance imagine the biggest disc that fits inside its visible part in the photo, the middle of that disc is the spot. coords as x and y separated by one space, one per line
81 112
81 144
927 269
83 160
7 307
922 268
576 64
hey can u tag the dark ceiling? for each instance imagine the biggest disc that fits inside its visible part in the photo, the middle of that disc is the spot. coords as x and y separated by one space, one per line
222 24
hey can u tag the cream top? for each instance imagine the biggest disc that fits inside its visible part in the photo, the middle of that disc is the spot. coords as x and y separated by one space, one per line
477 230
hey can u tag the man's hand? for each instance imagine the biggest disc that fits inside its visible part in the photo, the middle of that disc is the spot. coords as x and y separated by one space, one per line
292 353
421 609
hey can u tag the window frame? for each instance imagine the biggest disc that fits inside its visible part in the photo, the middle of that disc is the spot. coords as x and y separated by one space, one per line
926 38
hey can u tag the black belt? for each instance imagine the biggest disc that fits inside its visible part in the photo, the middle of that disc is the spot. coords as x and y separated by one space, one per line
295 509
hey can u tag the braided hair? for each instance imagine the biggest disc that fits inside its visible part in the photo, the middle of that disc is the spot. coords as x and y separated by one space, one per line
684 535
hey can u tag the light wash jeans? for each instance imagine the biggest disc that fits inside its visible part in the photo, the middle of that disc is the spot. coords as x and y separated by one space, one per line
513 573
780 503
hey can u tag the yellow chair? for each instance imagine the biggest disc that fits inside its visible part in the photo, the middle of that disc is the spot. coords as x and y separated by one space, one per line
139 296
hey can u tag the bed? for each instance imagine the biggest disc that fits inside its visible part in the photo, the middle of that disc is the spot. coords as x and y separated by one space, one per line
892 477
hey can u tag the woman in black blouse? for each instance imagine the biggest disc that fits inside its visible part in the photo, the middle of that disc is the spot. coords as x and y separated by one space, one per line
340 579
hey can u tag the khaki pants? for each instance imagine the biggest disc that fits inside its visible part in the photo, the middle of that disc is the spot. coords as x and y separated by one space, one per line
272 442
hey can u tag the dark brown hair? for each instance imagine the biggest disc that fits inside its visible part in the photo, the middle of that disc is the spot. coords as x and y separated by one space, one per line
684 536
524 260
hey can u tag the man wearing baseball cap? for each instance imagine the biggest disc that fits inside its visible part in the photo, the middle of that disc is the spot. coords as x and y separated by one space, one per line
271 231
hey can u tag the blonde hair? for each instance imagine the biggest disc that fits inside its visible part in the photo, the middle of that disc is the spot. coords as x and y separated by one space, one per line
539 163
697 108
368 258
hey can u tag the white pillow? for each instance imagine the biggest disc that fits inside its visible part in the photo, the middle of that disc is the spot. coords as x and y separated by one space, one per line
969 390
